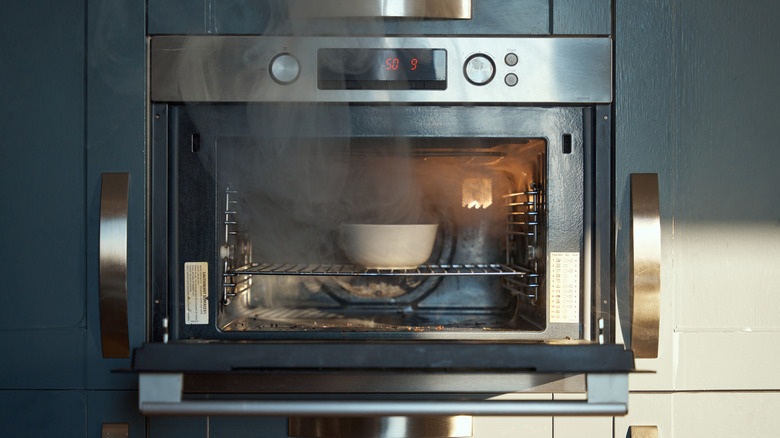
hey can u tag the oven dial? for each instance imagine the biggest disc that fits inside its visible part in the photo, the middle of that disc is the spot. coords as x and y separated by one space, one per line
479 69
284 69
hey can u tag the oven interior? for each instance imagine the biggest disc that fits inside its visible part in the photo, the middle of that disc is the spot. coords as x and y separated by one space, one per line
267 210
286 266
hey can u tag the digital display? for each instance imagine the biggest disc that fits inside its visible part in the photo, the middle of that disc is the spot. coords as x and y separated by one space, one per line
382 69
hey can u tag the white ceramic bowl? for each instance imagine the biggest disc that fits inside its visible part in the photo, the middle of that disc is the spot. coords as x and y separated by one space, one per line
388 246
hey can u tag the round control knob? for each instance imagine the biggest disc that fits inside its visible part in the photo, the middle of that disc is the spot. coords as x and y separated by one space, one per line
284 69
479 69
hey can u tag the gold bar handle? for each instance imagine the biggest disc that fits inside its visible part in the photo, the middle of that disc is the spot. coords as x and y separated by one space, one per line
645 265
113 265
441 9
115 430
643 432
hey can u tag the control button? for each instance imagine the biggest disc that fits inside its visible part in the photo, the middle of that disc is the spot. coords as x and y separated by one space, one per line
479 69
510 79
510 59
284 68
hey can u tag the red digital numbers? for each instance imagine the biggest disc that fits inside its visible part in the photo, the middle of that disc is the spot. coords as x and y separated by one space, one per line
394 63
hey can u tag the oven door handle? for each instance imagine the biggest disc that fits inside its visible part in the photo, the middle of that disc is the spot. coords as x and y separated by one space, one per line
113 265
161 394
645 265
440 9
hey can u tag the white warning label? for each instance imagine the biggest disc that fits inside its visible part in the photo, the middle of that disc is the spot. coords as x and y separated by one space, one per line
565 287
196 290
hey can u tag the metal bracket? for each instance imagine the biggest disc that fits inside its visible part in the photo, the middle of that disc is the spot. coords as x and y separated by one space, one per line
607 388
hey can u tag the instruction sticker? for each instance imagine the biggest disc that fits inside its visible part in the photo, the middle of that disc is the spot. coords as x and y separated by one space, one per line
565 287
196 290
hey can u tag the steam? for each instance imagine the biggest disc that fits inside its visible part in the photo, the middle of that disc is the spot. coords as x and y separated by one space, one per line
296 191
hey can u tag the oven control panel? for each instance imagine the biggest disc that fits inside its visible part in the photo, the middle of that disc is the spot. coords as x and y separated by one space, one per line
538 70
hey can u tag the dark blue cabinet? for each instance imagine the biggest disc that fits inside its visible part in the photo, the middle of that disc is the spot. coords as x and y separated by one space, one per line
42 168
72 83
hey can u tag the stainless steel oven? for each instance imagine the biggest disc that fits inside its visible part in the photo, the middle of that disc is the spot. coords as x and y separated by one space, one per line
287 199
383 227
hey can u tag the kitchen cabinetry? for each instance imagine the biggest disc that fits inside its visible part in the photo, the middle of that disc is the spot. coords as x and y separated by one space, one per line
712 414
695 102
694 105
726 414
580 427
648 409
508 427
706 135
43 316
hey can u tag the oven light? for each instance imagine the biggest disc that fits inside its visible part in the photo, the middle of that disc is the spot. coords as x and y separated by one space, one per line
477 193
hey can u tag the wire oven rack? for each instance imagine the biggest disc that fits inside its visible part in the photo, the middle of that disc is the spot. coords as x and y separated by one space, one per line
355 270
520 277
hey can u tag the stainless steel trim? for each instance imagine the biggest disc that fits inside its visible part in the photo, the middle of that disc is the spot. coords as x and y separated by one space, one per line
373 408
113 265
645 265
607 388
444 9
643 432
384 427
161 394
210 68
115 430
389 383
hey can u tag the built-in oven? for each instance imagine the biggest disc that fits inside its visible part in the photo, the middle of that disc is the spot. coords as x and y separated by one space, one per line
380 229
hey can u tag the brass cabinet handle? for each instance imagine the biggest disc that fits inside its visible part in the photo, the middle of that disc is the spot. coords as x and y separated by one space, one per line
645 265
643 432
115 430
113 265
442 9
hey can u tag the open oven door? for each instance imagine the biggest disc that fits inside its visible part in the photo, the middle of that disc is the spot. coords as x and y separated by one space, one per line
405 379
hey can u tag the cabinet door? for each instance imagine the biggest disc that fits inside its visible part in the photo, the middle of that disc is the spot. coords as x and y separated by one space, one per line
727 414
580 427
512 427
43 413
727 280
648 409
644 142
115 129
700 118
114 411
42 320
